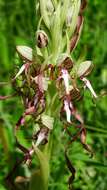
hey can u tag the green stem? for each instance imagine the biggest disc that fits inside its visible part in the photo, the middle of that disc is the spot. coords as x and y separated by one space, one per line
40 178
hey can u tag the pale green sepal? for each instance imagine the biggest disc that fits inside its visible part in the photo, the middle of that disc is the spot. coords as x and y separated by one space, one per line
84 68
25 52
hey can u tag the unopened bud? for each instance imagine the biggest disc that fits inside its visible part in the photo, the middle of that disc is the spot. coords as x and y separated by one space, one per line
42 39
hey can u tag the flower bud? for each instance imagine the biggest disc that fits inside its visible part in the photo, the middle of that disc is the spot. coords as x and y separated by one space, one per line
42 39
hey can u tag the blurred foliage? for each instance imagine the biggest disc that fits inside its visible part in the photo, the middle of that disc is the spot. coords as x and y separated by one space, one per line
17 26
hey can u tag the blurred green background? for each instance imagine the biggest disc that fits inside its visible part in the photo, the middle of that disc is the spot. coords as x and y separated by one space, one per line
17 26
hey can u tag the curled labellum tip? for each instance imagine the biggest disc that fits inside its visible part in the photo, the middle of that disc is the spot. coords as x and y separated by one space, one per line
71 169
83 141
